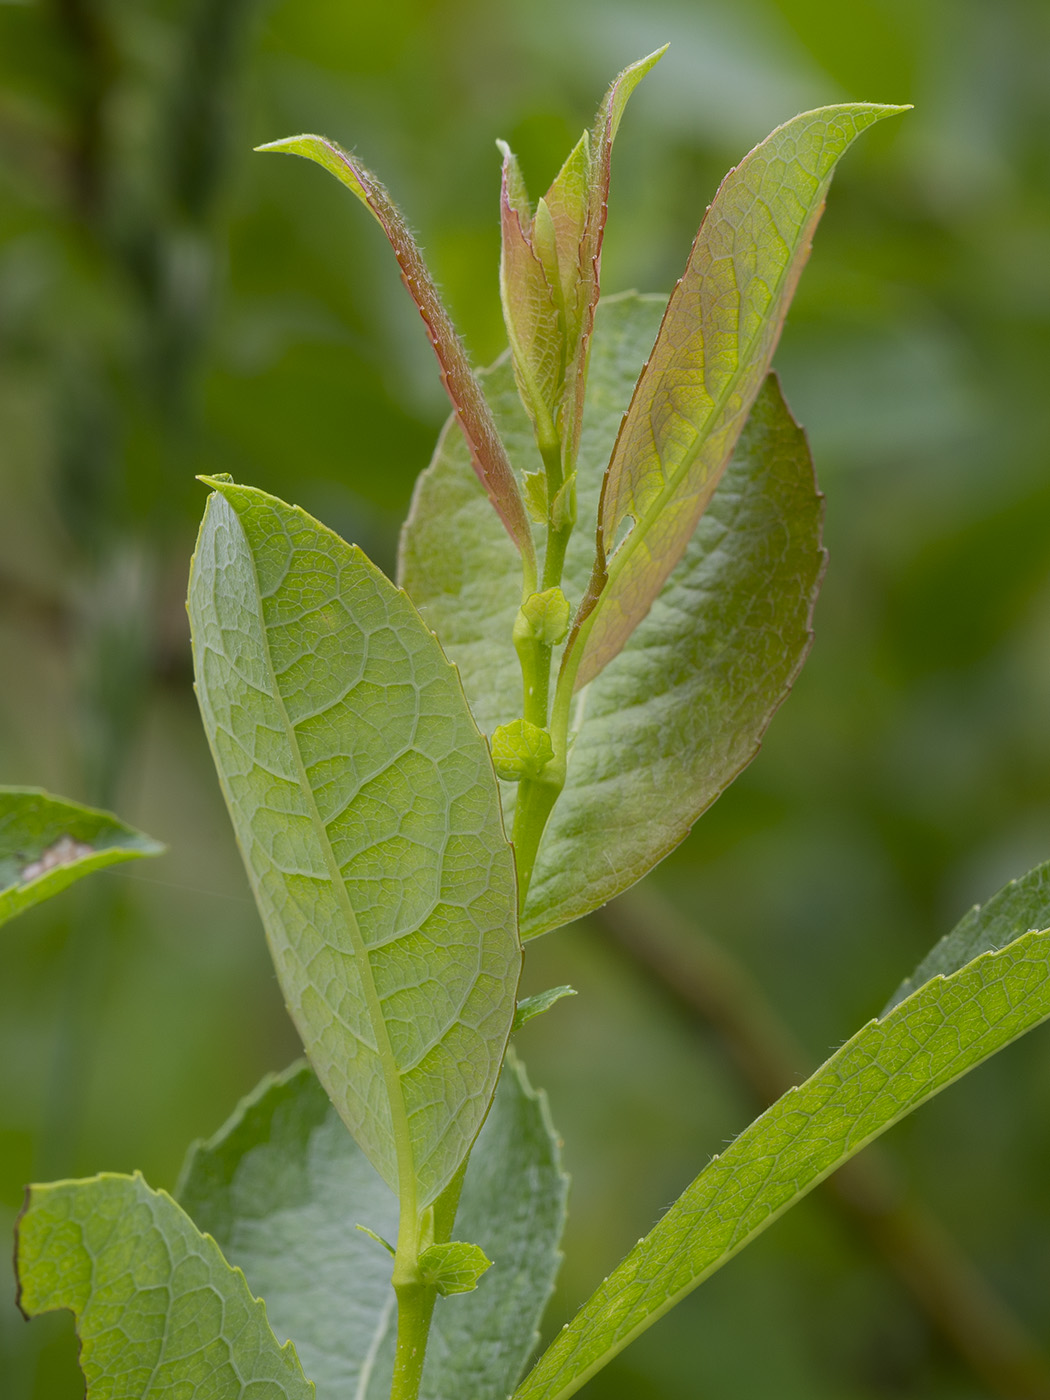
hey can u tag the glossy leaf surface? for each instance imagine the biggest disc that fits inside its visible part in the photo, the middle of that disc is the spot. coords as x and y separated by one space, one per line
281 1188
709 361
664 729
488 456
881 1074
366 809
159 1311
48 842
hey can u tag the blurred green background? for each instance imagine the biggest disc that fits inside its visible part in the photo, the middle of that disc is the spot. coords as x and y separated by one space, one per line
171 303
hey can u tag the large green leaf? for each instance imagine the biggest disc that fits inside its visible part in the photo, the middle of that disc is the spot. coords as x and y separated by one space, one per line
709 361
885 1071
160 1313
1022 904
366 808
282 1187
664 729
48 842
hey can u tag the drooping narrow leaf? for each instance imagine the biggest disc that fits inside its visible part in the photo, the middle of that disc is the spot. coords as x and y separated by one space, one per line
487 453
366 808
1021 904
881 1074
709 361
281 1188
48 842
664 729
159 1311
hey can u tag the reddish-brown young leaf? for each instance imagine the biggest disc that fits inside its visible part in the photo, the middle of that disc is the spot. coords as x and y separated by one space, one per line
468 402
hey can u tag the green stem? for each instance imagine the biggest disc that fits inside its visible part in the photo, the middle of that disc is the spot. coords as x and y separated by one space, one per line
535 659
415 1308
554 558
536 799
537 796
415 1299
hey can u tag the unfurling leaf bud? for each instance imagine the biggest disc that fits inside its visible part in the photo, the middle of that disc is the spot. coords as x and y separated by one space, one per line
520 750
543 617
454 1267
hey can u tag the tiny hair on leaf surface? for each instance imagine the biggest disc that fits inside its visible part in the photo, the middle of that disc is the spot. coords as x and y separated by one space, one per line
273 1187
366 807
47 843
159 1311
883 1072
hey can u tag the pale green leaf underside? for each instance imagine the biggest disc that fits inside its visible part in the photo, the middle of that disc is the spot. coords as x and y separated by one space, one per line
366 808
160 1313
48 842
282 1186
1022 904
885 1071
673 719
709 361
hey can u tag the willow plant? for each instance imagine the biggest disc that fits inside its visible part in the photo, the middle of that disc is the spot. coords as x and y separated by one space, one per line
605 590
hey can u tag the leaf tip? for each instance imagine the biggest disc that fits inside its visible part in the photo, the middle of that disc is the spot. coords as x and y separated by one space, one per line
286 145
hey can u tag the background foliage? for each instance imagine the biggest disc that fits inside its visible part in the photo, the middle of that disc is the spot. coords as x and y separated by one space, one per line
171 304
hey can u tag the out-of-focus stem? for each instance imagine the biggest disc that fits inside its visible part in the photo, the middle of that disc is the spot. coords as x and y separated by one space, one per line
711 987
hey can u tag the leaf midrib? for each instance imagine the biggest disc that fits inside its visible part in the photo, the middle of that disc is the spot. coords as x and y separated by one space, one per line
384 1050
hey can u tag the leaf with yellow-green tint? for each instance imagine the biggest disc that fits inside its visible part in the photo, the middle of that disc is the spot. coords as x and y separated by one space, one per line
159 1311
46 843
885 1071
367 812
